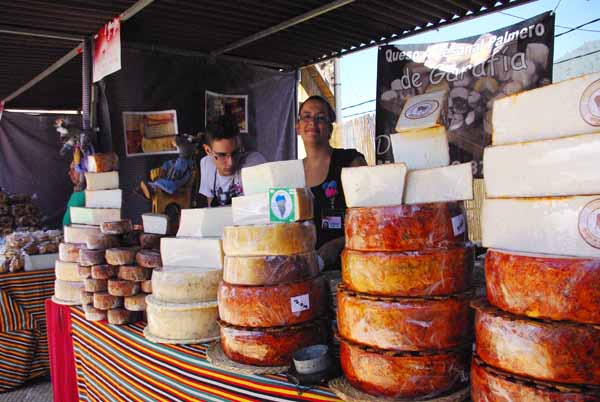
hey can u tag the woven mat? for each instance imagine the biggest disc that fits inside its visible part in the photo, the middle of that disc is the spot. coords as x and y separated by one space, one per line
158 339
216 356
348 393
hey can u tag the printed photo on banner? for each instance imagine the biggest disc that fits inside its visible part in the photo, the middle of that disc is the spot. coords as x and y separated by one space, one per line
217 104
107 50
150 133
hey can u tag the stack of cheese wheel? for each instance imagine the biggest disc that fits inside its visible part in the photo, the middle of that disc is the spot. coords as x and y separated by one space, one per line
155 228
272 297
183 305
538 333
404 321
69 285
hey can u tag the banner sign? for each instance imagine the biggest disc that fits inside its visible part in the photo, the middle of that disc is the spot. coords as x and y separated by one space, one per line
107 50
469 75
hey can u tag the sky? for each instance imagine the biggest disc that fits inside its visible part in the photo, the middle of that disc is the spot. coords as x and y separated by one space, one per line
359 70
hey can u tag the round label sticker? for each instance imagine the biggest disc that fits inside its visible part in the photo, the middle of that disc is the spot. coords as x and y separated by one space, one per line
589 223
422 109
281 204
589 104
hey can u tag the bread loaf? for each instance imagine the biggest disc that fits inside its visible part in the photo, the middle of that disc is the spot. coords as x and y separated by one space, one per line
116 227
117 287
274 239
69 252
134 273
148 259
104 271
270 269
89 257
95 285
185 284
121 255
105 301
135 303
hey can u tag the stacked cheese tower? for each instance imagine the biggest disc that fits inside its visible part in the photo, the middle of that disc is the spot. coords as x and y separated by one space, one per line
538 337
403 318
272 295
155 228
183 305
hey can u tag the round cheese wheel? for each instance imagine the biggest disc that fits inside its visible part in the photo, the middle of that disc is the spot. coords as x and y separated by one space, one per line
182 321
66 271
69 252
123 288
93 314
544 286
436 272
492 385
404 324
106 301
116 227
403 227
146 286
548 351
185 284
68 291
273 239
270 269
269 346
135 303
131 239
148 259
104 271
403 375
86 297
121 255
103 162
121 316
84 272
272 306
150 241
134 273
95 285
89 257
101 241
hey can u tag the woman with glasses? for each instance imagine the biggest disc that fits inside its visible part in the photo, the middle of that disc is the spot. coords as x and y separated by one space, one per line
323 166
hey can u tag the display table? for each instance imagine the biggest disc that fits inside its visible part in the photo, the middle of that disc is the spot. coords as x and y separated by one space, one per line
118 363
23 344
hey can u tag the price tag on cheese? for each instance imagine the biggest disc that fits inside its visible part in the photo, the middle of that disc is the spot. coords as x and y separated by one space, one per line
282 205
300 303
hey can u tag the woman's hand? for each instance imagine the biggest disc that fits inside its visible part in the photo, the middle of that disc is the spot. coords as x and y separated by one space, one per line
331 250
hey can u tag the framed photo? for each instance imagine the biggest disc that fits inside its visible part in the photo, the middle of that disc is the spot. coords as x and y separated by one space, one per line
150 133
220 104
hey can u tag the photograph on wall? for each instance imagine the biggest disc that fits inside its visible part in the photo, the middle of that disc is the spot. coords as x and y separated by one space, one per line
150 133
220 104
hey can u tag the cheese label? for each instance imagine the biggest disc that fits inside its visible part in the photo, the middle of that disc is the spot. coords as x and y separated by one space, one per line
458 224
422 109
589 104
300 303
282 205
589 223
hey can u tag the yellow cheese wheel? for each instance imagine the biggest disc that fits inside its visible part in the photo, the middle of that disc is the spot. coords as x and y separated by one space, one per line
270 269
273 239
185 285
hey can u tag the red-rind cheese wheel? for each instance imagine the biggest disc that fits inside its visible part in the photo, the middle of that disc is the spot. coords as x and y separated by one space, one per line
69 252
121 255
123 288
269 347
103 271
84 271
93 314
135 303
549 351
89 257
134 273
272 306
116 227
106 301
544 286
404 324
101 241
380 373
404 227
103 162
492 385
150 241
121 316
146 286
270 269
94 285
148 259
86 297
435 272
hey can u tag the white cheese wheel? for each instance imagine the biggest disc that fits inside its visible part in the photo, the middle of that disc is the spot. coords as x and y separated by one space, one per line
106 301
255 209
103 198
84 272
134 273
177 321
260 178
146 286
374 186
275 239
101 181
117 287
191 252
68 291
148 259
86 297
450 183
93 314
89 257
423 111
121 255
66 271
421 149
94 216
270 269
69 252
155 223
101 241
185 284
135 303
95 285
104 271
204 222
121 316
79 233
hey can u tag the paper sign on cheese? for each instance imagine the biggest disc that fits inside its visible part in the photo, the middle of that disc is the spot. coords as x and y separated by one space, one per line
260 178
254 209
191 252
423 149
103 198
102 181
560 110
451 183
374 186
204 222
566 166
422 111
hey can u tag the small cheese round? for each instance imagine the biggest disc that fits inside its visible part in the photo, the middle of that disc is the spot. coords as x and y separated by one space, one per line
270 269
116 227
182 321
94 314
117 287
121 316
134 273
86 297
106 301
146 286
69 252
131 239
121 255
95 285
101 241
84 272
185 284
66 271
135 303
148 259
104 271
89 257
272 239
68 291
150 241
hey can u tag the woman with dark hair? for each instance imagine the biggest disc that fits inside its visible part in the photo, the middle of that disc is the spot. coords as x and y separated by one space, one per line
323 166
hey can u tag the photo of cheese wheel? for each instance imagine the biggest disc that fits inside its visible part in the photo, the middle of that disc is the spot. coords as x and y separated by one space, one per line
561 352
101 241
404 227
150 241
69 252
89 257
116 227
134 273
106 301
104 271
270 269
148 259
135 303
272 239
121 255
95 285
121 316
117 287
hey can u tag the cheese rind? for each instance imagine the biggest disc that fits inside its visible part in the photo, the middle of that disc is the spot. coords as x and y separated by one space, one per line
150 241
559 167
255 209
185 284
103 198
423 111
560 226
79 233
117 287
95 285
99 163
135 303
106 301
134 273
68 291
93 314
101 241
116 226
121 255
260 178
121 316
450 183
270 269
89 257
101 181
69 252
148 259
422 149
155 223
191 252
103 271
374 186
94 216
524 116
274 239
66 271
204 222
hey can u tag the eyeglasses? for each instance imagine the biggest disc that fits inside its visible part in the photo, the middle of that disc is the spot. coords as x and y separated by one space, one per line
318 118
233 155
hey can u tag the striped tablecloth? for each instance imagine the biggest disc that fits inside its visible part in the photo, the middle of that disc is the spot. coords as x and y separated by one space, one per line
116 363
23 344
